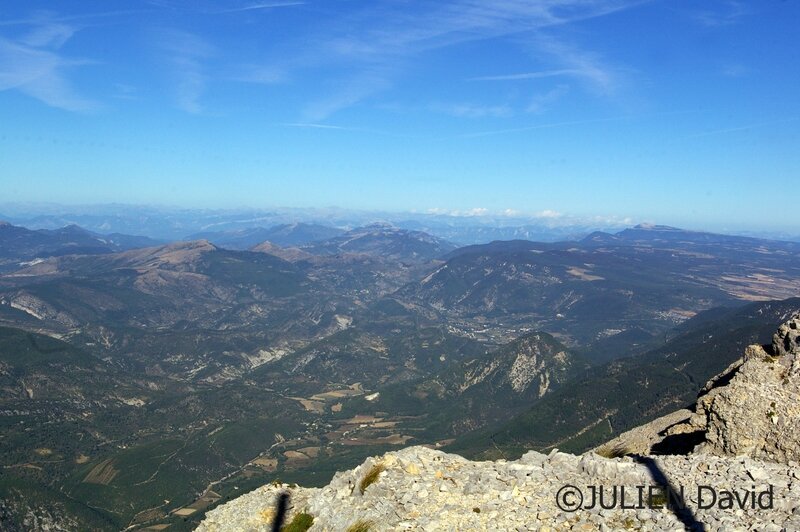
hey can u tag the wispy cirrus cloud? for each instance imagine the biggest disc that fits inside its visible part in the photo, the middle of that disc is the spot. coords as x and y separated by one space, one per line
472 110
541 101
345 93
259 6
530 75
85 19
549 125
728 12
587 65
124 91
258 74
33 64
212 7
349 129
311 125
187 54
50 34
745 127
392 30
361 50
388 36
568 123
735 70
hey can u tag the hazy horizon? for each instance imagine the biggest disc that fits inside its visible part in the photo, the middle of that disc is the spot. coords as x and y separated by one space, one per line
37 215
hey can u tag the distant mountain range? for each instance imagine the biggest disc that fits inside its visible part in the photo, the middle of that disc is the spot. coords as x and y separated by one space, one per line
386 241
604 285
663 235
18 244
379 239
284 235
171 224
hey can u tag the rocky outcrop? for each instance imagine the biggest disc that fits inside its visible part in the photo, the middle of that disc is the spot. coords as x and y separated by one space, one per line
758 412
643 439
423 489
750 409
786 342
730 463
524 369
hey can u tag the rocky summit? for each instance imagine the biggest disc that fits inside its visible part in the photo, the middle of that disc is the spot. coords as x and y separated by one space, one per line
728 463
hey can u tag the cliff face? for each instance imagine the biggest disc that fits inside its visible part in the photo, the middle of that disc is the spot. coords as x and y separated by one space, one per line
750 409
757 413
730 462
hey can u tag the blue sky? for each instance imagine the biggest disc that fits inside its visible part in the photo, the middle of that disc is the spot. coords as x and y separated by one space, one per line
679 112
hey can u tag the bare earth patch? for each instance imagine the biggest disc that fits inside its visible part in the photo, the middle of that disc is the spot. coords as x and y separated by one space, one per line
103 473
267 464
584 275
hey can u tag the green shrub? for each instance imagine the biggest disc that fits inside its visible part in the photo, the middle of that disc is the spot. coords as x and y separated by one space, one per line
658 500
616 451
371 476
300 523
362 525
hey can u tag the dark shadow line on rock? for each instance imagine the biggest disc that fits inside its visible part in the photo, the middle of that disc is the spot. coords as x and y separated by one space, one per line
280 512
678 507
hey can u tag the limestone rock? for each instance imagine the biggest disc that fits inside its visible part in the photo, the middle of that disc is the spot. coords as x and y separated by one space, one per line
517 495
787 340
642 439
752 408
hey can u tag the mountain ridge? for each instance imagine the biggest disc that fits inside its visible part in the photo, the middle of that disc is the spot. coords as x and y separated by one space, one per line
19 244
